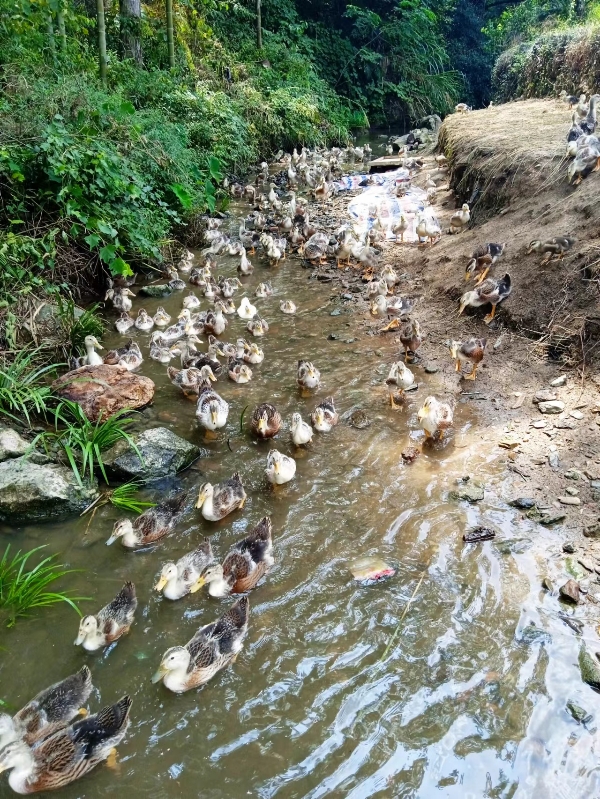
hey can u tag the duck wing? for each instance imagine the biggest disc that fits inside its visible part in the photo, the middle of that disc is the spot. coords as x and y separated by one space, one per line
195 562
120 610
259 542
98 730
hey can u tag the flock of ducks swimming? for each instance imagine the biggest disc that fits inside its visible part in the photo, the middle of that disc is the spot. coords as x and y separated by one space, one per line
47 744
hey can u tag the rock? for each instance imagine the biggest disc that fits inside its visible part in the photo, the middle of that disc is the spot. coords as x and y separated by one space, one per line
570 591
163 454
335 312
359 420
545 395
592 530
161 290
571 491
546 517
553 460
534 635
430 369
564 424
48 325
575 624
370 570
574 474
576 414
579 713
31 493
378 353
347 296
478 534
547 585
513 545
572 567
104 390
587 564
525 503
568 547
409 454
551 406
569 500
590 672
12 445
332 337
558 381
469 490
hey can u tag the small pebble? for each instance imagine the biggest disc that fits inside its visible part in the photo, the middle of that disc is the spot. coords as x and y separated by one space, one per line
569 547
558 381
554 460
576 414
431 370
571 491
569 500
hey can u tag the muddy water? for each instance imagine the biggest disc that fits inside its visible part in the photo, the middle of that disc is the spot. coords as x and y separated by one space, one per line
466 702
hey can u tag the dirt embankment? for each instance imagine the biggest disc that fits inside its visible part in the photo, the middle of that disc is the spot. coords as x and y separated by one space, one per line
508 162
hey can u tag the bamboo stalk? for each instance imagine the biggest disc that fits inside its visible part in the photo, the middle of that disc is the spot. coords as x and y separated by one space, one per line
258 24
60 20
170 33
101 40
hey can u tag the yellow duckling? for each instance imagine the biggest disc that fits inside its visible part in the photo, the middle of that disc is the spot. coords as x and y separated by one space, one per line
301 431
246 309
435 417
280 468
401 376
309 376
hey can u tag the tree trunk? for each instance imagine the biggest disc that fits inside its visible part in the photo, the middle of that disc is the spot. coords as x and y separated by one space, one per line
130 12
60 20
170 34
51 39
101 40
258 24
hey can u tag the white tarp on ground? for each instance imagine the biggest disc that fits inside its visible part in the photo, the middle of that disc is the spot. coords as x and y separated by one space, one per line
380 200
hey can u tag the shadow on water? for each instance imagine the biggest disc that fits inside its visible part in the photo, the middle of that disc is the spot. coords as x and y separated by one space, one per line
470 700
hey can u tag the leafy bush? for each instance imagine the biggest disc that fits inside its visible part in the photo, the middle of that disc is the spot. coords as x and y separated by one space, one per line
22 589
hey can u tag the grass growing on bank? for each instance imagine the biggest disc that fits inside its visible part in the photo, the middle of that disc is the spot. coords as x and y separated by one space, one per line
22 386
24 588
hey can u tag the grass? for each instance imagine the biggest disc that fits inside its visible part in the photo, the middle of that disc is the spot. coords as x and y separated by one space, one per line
22 391
22 588
123 497
83 441
77 327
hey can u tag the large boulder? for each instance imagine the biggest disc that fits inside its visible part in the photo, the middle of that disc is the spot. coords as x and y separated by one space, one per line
40 492
12 445
104 390
163 454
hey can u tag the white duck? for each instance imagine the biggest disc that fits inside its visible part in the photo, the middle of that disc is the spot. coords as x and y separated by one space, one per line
301 431
161 318
91 357
245 267
287 306
144 321
246 309
280 468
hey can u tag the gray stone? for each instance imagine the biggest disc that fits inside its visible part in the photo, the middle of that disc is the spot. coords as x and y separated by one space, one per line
574 474
525 503
569 500
547 584
31 493
163 453
430 369
553 460
162 290
568 547
558 381
552 406
592 530
469 490
12 445
545 395
570 591
335 312
579 713
590 673
571 491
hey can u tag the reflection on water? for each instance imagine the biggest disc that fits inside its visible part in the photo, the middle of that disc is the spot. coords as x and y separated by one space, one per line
467 702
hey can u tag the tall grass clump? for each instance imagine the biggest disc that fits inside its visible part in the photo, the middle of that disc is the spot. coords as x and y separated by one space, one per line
22 389
24 588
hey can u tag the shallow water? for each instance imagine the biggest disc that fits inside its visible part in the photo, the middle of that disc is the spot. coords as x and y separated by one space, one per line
464 703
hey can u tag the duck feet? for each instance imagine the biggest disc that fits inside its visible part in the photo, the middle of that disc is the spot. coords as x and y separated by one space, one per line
112 761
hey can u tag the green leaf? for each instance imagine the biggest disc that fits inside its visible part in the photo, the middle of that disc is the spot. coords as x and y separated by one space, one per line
214 167
107 253
182 194
107 229
120 267
127 107
92 240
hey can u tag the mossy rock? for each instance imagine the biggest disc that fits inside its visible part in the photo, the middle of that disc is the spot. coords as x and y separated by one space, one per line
589 668
162 290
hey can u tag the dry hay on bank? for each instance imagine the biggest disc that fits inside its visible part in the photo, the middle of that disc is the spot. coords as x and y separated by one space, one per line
505 150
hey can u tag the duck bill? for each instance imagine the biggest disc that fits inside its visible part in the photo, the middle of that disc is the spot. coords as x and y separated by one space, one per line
112 539
463 305
160 584
262 426
212 377
197 585
79 640
159 674
213 417
200 500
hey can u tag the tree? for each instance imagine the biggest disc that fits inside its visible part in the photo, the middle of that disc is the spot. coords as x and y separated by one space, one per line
258 24
101 40
130 12
170 34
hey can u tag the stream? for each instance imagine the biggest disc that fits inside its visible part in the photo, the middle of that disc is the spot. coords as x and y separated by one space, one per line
470 699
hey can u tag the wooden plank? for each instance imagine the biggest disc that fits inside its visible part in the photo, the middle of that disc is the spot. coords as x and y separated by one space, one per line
385 162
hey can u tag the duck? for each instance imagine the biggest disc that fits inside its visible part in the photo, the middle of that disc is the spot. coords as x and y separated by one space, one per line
247 239
211 290
130 356
211 410
124 323
462 108
191 301
215 321
217 501
230 286
143 321
435 417
586 161
245 564
399 228
257 326
588 124
161 318
280 468
324 417
150 526
558 246
308 376
400 376
410 338
492 291
254 354
178 579
48 711
175 282
246 309
287 306
110 623
228 306
265 421
186 260
263 290
91 357
395 306
301 431
212 648
315 248
244 266
69 754
162 354
238 371
192 379
427 227
460 219
470 351
389 274
482 259
120 298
